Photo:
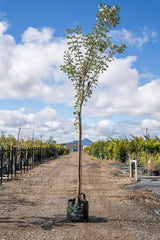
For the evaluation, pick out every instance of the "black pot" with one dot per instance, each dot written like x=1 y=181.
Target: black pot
x=77 y=211
x=155 y=173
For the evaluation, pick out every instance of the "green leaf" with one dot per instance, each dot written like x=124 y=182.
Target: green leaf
x=88 y=54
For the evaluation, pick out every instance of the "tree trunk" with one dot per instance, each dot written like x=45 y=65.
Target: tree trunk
x=79 y=157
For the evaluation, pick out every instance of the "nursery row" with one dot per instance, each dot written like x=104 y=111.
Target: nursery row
x=9 y=141
x=16 y=159
x=145 y=150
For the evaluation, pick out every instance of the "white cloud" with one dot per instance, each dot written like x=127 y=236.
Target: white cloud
x=30 y=69
x=33 y=35
x=99 y=130
x=118 y=92
x=12 y=119
x=151 y=124
x=131 y=38
x=3 y=27
x=148 y=96
x=46 y=122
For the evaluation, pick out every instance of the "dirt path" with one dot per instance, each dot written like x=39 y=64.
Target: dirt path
x=34 y=207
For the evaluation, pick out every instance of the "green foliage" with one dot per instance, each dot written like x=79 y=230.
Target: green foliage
x=110 y=150
x=142 y=159
x=98 y=149
x=122 y=150
x=87 y=149
x=9 y=141
x=62 y=149
x=88 y=54
x=154 y=162
x=142 y=150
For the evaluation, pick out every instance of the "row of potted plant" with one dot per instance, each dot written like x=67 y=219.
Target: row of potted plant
x=154 y=165
x=149 y=161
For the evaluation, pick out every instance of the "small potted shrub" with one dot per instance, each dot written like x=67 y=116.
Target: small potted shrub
x=154 y=165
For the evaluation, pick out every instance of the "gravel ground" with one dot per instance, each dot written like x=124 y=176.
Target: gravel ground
x=34 y=206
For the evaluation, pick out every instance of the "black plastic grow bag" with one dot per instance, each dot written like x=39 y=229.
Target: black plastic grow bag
x=77 y=211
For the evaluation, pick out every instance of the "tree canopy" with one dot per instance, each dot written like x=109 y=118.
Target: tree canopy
x=88 y=54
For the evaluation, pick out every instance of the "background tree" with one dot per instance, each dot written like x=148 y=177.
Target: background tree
x=87 y=56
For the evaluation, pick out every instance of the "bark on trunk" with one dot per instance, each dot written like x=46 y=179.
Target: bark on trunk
x=79 y=157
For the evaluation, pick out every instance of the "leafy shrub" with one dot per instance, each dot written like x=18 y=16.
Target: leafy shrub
x=121 y=149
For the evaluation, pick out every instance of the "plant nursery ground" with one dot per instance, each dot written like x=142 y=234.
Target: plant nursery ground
x=34 y=206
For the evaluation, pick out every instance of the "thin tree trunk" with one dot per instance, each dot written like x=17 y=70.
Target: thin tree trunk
x=79 y=157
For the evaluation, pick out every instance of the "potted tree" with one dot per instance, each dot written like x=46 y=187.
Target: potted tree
x=154 y=165
x=87 y=56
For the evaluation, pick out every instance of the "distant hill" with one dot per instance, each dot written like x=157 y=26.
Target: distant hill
x=85 y=142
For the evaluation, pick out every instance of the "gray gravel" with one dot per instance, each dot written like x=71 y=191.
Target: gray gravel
x=34 y=206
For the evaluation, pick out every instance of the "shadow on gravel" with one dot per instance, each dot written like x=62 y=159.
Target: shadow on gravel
x=45 y=223
x=49 y=223
x=96 y=220
x=17 y=201
x=132 y=221
x=59 y=220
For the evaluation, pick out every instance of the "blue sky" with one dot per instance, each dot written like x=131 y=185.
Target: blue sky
x=37 y=97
